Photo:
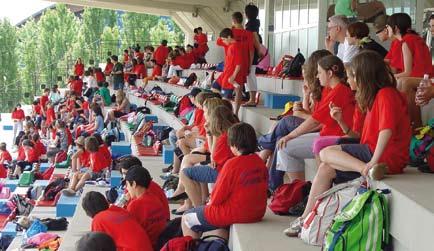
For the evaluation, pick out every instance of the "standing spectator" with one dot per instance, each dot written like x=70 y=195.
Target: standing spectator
x=55 y=96
x=44 y=98
x=337 y=31
x=346 y=8
x=108 y=70
x=117 y=73
x=160 y=56
x=18 y=118
x=78 y=68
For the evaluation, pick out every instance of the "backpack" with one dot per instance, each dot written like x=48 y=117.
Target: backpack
x=22 y=205
x=171 y=183
x=58 y=224
x=192 y=78
x=54 y=188
x=143 y=109
x=163 y=133
x=283 y=63
x=183 y=103
x=216 y=244
x=327 y=206
x=289 y=195
x=184 y=243
x=294 y=68
x=420 y=146
x=362 y=225
x=172 y=230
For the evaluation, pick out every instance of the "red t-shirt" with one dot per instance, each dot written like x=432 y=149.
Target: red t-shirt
x=187 y=60
x=395 y=55
x=50 y=116
x=108 y=68
x=235 y=55
x=126 y=232
x=43 y=101
x=98 y=162
x=32 y=155
x=199 y=121
x=202 y=41
x=222 y=151
x=156 y=190
x=77 y=86
x=149 y=213
x=40 y=148
x=5 y=156
x=358 y=120
x=389 y=111
x=341 y=96
x=140 y=71
x=99 y=76
x=85 y=106
x=79 y=69
x=18 y=114
x=245 y=37
x=21 y=154
x=421 y=55
x=240 y=192
x=161 y=54
x=126 y=57
x=84 y=159
x=105 y=151
x=37 y=109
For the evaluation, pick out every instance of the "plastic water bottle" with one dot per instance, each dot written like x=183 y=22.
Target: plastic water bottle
x=121 y=201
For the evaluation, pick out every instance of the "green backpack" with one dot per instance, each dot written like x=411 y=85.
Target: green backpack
x=26 y=179
x=362 y=225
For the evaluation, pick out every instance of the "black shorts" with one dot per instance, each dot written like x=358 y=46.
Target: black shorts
x=358 y=151
x=118 y=114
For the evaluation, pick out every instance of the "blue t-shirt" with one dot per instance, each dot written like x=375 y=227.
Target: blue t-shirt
x=99 y=123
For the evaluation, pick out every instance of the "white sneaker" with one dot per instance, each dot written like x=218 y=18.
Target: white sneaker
x=294 y=228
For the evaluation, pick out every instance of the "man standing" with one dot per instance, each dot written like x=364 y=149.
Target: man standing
x=117 y=73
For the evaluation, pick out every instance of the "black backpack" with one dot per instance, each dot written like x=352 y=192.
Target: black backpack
x=212 y=243
x=294 y=68
x=143 y=109
x=59 y=224
x=163 y=133
x=172 y=230
x=54 y=188
x=190 y=80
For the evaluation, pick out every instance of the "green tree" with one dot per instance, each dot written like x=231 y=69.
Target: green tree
x=137 y=28
x=10 y=91
x=28 y=59
x=110 y=42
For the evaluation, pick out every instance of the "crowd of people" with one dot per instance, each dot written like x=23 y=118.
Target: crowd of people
x=359 y=108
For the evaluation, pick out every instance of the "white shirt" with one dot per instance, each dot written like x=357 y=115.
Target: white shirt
x=346 y=52
x=91 y=81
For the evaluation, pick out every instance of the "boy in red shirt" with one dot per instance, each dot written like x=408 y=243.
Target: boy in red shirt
x=144 y=206
x=235 y=71
x=108 y=67
x=160 y=56
x=77 y=86
x=240 y=192
x=44 y=98
x=98 y=165
x=5 y=159
x=127 y=234
x=39 y=146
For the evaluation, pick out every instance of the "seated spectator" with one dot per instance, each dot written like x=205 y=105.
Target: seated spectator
x=30 y=157
x=98 y=166
x=104 y=93
x=116 y=222
x=385 y=137
x=40 y=148
x=176 y=63
x=60 y=143
x=337 y=30
x=5 y=160
x=125 y=163
x=240 y=192
x=295 y=147
x=95 y=126
x=144 y=206
x=122 y=106
x=99 y=76
x=96 y=241
x=424 y=95
x=358 y=35
x=81 y=158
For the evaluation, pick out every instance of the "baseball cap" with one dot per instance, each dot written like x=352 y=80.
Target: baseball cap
x=380 y=23
x=194 y=92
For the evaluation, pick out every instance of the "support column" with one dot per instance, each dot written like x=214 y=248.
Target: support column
x=322 y=23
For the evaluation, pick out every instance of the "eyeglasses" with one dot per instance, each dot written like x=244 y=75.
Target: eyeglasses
x=331 y=27
x=379 y=31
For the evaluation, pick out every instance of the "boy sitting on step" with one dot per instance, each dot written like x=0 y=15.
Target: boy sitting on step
x=240 y=192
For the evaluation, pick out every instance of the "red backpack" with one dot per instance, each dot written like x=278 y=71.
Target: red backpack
x=185 y=243
x=289 y=195
x=183 y=103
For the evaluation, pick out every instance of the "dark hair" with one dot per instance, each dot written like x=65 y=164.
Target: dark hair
x=164 y=42
x=334 y=64
x=47 y=90
x=105 y=84
x=237 y=17
x=35 y=137
x=126 y=162
x=226 y=32
x=371 y=75
x=140 y=175
x=243 y=137
x=99 y=138
x=251 y=11
x=401 y=21
x=431 y=17
x=96 y=241
x=199 y=28
x=311 y=71
x=358 y=30
x=27 y=142
x=114 y=58
x=108 y=60
x=195 y=30
x=97 y=110
x=3 y=146
x=91 y=144
x=93 y=203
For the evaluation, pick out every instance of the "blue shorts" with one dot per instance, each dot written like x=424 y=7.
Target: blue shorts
x=195 y=220
x=226 y=93
x=358 y=151
x=201 y=173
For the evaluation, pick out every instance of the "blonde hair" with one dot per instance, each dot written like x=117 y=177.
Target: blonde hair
x=220 y=120
x=120 y=96
x=211 y=103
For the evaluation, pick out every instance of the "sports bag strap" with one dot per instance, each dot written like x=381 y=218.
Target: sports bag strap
x=214 y=236
x=357 y=182
x=386 y=216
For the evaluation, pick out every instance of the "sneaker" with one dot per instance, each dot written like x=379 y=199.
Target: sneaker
x=378 y=171
x=294 y=228
x=68 y=192
x=166 y=176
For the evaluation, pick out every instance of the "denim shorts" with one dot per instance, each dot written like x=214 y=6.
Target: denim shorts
x=226 y=93
x=358 y=151
x=201 y=173
x=195 y=220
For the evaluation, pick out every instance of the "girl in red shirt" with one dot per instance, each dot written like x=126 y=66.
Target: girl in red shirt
x=416 y=62
x=108 y=67
x=80 y=159
x=240 y=192
x=98 y=166
x=18 y=118
x=295 y=147
x=78 y=68
x=385 y=137
x=31 y=156
x=5 y=159
x=50 y=115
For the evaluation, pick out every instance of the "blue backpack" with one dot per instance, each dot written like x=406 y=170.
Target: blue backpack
x=212 y=243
